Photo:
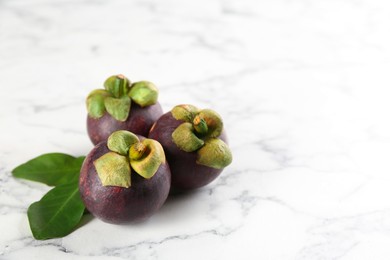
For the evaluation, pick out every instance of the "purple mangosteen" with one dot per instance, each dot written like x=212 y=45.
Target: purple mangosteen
x=122 y=105
x=195 y=144
x=125 y=179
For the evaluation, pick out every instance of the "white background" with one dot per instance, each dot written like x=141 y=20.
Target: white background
x=303 y=87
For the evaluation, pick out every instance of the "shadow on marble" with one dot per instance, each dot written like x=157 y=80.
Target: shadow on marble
x=183 y=205
x=177 y=197
x=86 y=218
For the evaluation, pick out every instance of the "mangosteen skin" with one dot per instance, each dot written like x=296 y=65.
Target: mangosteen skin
x=186 y=173
x=138 y=122
x=119 y=205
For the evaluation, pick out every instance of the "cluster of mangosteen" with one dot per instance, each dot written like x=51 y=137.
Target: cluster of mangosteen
x=142 y=155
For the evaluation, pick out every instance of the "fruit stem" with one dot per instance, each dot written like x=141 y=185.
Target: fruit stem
x=136 y=151
x=200 y=125
x=120 y=86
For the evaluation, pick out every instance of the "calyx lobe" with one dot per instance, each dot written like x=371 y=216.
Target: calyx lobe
x=117 y=96
x=127 y=152
x=199 y=133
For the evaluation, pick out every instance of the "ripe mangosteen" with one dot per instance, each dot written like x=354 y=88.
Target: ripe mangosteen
x=195 y=144
x=125 y=179
x=122 y=105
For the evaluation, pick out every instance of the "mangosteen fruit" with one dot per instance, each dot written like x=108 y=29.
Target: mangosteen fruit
x=195 y=144
x=125 y=179
x=122 y=105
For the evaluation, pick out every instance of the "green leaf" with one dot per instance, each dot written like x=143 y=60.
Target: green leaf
x=118 y=108
x=52 y=169
x=144 y=93
x=215 y=153
x=57 y=213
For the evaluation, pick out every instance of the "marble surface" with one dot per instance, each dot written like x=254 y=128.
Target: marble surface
x=303 y=87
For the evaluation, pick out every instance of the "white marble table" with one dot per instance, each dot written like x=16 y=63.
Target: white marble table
x=303 y=87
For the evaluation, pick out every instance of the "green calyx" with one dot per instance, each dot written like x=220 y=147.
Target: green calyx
x=144 y=93
x=185 y=138
x=117 y=85
x=199 y=133
x=113 y=170
x=118 y=95
x=215 y=153
x=128 y=152
x=121 y=141
x=184 y=112
x=95 y=103
x=150 y=160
